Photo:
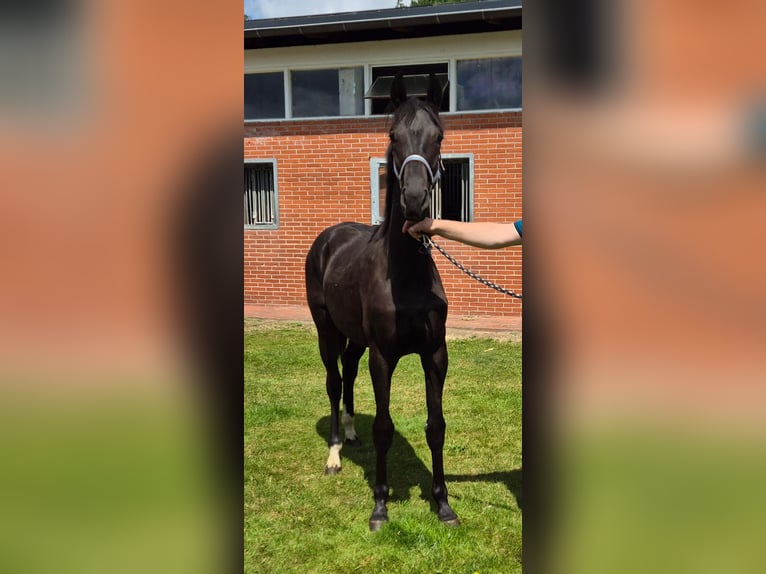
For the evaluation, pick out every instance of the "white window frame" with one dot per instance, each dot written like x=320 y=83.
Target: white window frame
x=275 y=205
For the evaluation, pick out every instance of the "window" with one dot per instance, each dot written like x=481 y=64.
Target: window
x=336 y=92
x=452 y=197
x=261 y=204
x=478 y=84
x=381 y=100
x=264 y=96
x=493 y=83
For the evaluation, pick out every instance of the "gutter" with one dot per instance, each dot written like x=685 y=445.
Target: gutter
x=383 y=19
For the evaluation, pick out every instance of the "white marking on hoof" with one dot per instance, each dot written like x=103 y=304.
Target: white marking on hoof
x=348 y=425
x=333 y=460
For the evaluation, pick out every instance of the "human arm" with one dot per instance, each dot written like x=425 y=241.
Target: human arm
x=484 y=234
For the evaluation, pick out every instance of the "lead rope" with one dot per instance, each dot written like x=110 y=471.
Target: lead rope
x=428 y=243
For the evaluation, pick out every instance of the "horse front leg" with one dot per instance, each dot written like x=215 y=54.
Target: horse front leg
x=381 y=370
x=350 y=361
x=435 y=369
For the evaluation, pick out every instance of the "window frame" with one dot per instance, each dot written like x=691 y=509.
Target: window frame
x=505 y=44
x=275 y=223
x=371 y=78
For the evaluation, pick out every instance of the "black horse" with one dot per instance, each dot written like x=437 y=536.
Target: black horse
x=376 y=287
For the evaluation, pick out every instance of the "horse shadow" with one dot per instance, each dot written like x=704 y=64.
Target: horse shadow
x=511 y=479
x=405 y=469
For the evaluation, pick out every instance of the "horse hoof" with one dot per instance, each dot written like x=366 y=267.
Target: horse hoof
x=353 y=442
x=448 y=517
x=331 y=470
x=375 y=525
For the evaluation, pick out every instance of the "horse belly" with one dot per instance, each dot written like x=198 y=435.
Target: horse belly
x=345 y=308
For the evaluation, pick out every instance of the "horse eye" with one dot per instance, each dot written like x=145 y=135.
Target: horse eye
x=392 y=136
x=440 y=138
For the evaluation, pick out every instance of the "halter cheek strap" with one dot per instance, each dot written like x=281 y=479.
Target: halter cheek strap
x=419 y=158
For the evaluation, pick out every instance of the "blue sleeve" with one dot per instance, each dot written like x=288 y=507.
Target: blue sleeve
x=517 y=225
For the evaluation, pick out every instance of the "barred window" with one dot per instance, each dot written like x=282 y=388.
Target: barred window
x=452 y=196
x=261 y=202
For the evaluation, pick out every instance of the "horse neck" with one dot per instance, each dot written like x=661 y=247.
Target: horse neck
x=400 y=246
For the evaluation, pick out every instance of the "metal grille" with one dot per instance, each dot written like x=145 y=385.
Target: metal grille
x=451 y=198
x=260 y=196
x=436 y=200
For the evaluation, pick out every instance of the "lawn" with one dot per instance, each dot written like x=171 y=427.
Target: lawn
x=299 y=520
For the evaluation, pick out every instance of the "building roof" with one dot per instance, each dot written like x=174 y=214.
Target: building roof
x=388 y=24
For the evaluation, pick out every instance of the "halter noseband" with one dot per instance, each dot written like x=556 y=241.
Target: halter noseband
x=399 y=173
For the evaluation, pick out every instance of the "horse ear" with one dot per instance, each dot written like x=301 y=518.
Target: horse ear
x=398 y=90
x=435 y=91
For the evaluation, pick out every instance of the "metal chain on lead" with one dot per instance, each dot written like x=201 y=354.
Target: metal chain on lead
x=428 y=243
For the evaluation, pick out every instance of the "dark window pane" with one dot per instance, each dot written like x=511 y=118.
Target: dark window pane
x=328 y=92
x=264 y=96
x=489 y=84
x=315 y=93
x=455 y=185
x=452 y=197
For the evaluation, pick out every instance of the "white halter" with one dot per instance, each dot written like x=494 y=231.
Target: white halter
x=415 y=157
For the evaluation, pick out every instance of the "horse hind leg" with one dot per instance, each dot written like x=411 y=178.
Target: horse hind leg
x=350 y=361
x=331 y=343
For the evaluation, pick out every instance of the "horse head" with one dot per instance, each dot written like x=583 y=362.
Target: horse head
x=415 y=150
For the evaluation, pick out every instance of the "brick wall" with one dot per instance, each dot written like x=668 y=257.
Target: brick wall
x=323 y=176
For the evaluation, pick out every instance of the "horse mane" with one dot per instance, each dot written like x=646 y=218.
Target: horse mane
x=405 y=114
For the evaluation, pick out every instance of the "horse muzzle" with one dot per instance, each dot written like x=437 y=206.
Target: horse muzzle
x=416 y=206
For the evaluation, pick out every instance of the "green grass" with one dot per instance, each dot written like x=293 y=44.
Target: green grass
x=299 y=520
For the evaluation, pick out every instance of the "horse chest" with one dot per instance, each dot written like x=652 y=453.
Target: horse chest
x=409 y=325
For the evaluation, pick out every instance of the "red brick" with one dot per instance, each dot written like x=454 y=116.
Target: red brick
x=323 y=171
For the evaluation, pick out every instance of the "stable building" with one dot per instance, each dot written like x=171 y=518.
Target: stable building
x=316 y=134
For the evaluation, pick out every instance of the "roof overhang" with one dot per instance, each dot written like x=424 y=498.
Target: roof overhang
x=388 y=24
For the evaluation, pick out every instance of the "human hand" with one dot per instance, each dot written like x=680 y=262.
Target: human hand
x=416 y=229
